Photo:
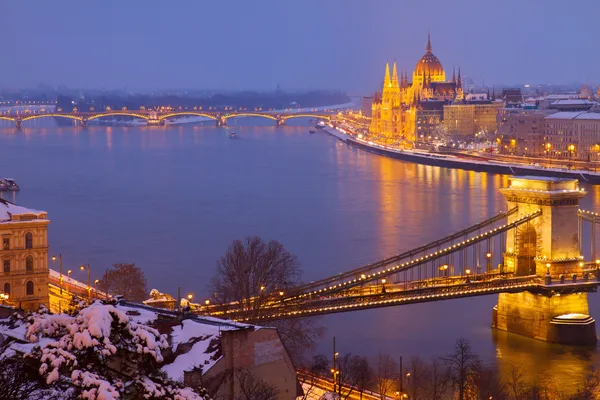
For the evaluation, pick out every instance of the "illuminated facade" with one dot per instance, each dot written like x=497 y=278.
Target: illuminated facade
x=24 y=256
x=404 y=110
x=470 y=119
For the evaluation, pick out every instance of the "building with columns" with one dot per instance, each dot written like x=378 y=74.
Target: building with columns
x=24 y=255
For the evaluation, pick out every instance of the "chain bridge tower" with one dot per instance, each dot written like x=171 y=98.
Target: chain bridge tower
x=549 y=246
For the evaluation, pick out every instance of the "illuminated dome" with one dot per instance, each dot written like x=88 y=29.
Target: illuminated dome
x=429 y=64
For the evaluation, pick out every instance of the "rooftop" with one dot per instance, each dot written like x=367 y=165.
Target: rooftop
x=194 y=340
x=579 y=115
x=10 y=212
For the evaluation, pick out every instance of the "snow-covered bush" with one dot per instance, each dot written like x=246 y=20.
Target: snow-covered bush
x=102 y=354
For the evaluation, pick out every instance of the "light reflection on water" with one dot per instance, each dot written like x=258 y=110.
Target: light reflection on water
x=173 y=198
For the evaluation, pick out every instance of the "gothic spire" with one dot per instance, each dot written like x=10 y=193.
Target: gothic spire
x=386 y=81
x=459 y=79
x=395 y=76
x=428 y=42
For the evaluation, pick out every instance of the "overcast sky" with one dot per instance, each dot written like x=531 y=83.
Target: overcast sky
x=304 y=44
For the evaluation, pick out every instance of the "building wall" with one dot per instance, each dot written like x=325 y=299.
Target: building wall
x=469 y=119
x=365 y=106
x=521 y=131
x=15 y=258
x=262 y=353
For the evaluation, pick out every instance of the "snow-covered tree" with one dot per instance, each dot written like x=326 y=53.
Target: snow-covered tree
x=99 y=353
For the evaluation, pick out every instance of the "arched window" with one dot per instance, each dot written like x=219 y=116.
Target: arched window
x=29 y=240
x=29 y=288
x=7 y=288
x=29 y=263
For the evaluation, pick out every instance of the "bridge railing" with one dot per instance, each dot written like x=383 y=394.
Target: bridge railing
x=413 y=264
x=356 y=301
x=367 y=269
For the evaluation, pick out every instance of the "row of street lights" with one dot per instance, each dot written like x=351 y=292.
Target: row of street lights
x=82 y=267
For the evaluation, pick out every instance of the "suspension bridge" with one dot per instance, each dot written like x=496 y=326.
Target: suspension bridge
x=531 y=255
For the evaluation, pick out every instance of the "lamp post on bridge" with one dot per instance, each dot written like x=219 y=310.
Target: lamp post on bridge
x=548 y=277
x=60 y=278
x=83 y=267
x=488 y=266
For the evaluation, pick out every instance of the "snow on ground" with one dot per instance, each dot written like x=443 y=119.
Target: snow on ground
x=196 y=357
x=138 y=314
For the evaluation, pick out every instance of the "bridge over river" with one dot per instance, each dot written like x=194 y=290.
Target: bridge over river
x=158 y=117
x=530 y=255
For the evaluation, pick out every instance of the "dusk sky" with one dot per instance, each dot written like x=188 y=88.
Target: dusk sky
x=309 y=44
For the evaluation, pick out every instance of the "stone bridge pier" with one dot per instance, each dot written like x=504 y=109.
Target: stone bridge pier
x=280 y=121
x=220 y=120
x=549 y=247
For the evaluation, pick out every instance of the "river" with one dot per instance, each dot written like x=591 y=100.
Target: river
x=171 y=199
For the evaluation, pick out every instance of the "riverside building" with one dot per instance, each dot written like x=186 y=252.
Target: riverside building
x=410 y=108
x=24 y=256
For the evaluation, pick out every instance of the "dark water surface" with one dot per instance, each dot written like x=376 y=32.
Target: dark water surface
x=173 y=198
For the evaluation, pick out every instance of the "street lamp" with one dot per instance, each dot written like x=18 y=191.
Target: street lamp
x=83 y=267
x=468 y=272
x=383 y=281
x=489 y=262
x=95 y=287
x=571 y=151
x=548 y=277
x=190 y=297
x=60 y=279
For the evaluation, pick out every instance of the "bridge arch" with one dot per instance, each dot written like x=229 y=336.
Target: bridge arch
x=186 y=113
x=67 y=116
x=243 y=114
x=118 y=113
x=323 y=117
x=4 y=118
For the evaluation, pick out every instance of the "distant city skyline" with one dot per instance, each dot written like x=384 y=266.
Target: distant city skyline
x=237 y=45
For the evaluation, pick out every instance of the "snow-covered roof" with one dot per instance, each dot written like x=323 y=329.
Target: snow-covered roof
x=10 y=212
x=564 y=115
x=572 y=102
x=563 y=96
x=588 y=115
x=579 y=115
x=195 y=331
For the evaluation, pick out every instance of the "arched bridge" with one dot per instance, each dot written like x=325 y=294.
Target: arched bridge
x=153 y=117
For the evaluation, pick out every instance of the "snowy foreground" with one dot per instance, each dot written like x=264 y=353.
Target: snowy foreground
x=104 y=352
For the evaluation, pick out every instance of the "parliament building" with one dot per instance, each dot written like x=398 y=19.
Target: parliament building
x=406 y=111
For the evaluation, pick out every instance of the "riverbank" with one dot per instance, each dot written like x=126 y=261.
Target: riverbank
x=461 y=162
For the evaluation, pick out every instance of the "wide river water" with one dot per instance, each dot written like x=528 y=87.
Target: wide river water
x=172 y=199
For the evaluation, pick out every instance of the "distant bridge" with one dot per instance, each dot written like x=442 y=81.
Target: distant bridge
x=158 y=117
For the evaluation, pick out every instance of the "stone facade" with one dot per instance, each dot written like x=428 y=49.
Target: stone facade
x=548 y=246
x=539 y=317
x=257 y=351
x=471 y=119
x=553 y=237
x=23 y=255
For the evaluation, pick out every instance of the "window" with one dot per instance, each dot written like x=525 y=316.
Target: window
x=29 y=288
x=7 y=266
x=5 y=243
x=29 y=263
x=7 y=288
x=28 y=240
